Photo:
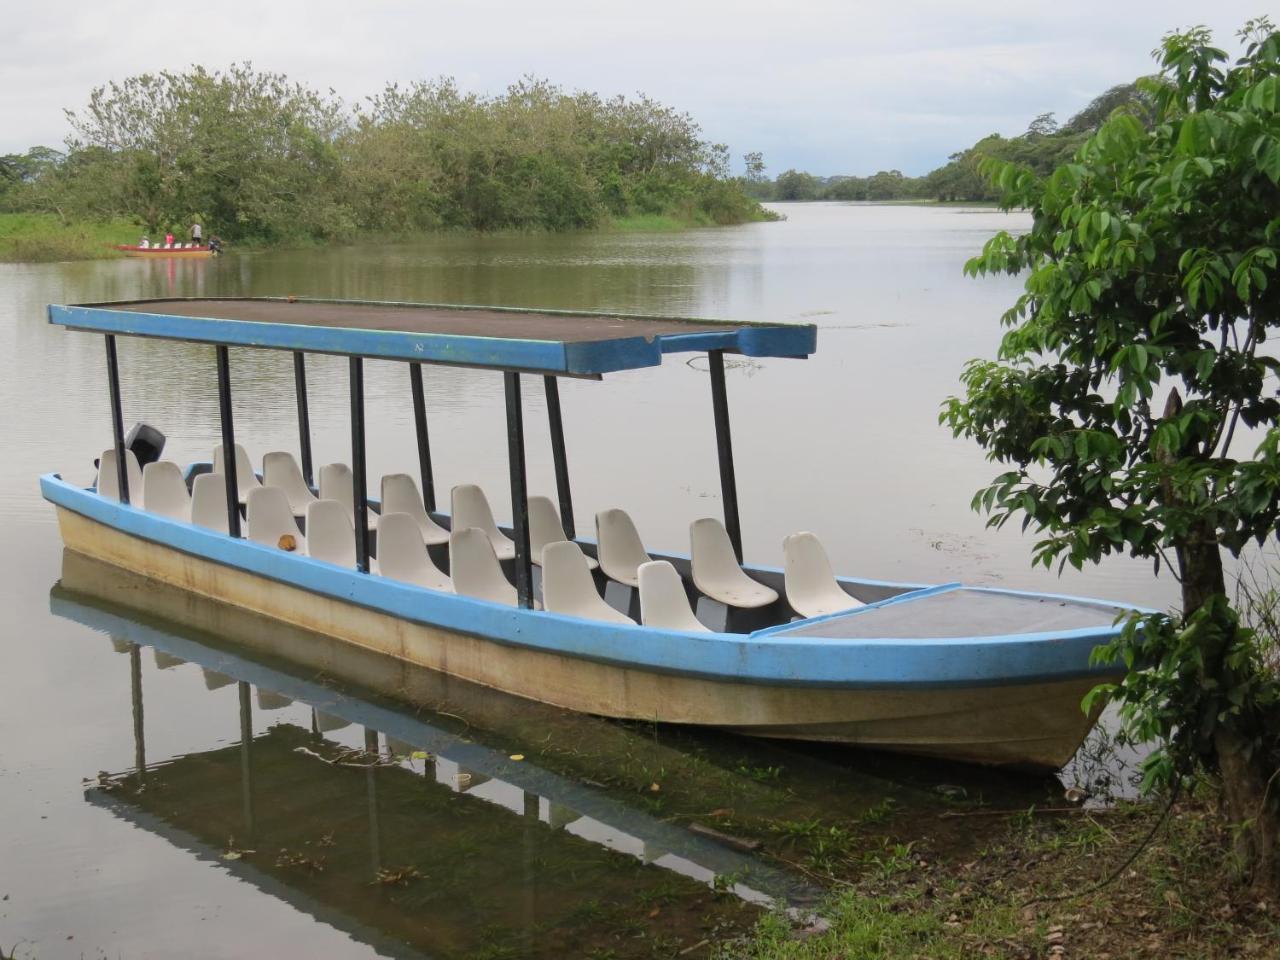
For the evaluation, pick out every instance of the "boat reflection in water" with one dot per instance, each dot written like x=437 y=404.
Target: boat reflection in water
x=399 y=828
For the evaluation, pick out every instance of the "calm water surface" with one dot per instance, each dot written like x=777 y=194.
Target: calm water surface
x=163 y=791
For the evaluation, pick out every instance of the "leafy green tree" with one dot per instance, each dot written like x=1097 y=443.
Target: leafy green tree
x=794 y=185
x=1151 y=270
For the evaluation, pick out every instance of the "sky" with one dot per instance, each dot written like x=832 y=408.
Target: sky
x=829 y=87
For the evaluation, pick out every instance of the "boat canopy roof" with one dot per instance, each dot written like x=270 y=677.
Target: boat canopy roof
x=545 y=341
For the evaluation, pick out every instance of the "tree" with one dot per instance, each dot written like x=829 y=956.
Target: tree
x=252 y=150
x=1043 y=126
x=795 y=185
x=1151 y=268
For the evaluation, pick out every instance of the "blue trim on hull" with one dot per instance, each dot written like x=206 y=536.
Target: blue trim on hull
x=903 y=664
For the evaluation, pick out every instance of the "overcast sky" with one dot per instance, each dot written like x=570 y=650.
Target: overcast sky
x=829 y=87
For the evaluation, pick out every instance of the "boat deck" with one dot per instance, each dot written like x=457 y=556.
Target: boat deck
x=959 y=613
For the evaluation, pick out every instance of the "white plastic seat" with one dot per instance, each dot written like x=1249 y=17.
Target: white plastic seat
x=246 y=479
x=811 y=587
x=402 y=553
x=400 y=494
x=716 y=571
x=280 y=469
x=338 y=483
x=469 y=507
x=475 y=570
x=567 y=585
x=545 y=527
x=269 y=518
x=663 y=602
x=209 y=501
x=164 y=491
x=330 y=535
x=109 y=477
x=619 y=546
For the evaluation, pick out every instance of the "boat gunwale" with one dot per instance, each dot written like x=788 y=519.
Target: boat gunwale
x=769 y=659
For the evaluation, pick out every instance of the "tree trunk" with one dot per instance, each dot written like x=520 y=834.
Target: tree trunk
x=1252 y=815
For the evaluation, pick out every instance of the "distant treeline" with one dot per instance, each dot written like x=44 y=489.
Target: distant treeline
x=1043 y=147
x=256 y=157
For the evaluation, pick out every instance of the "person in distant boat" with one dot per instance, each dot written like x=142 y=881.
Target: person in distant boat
x=168 y=239
x=144 y=244
x=215 y=243
x=196 y=234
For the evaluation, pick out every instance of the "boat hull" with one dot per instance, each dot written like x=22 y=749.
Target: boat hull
x=163 y=253
x=1036 y=723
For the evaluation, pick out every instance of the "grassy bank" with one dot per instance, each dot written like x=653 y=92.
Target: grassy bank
x=42 y=237
x=1027 y=890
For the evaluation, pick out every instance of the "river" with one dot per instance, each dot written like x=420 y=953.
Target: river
x=150 y=769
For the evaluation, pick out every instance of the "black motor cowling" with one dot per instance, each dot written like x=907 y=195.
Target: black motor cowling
x=146 y=442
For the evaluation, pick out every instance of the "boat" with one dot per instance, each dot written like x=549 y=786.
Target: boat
x=599 y=625
x=162 y=251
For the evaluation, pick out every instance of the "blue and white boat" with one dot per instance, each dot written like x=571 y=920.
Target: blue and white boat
x=601 y=625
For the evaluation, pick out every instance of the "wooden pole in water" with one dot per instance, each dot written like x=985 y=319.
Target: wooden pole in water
x=360 y=491
x=724 y=448
x=424 y=441
x=117 y=420
x=519 y=490
x=246 y=758
x=304 y=415
x=558 y=456
x=228 y=442
x=135 y=691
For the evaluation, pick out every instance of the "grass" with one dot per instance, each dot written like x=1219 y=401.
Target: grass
x=42 y=238
x=1030 y=893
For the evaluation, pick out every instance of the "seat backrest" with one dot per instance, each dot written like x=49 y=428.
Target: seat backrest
x=663 y=602
x=164 y=491
x=330 y=534
x=470 y=508
x=338 y=483
x=246 y=479
x=269 y=517
x=402 y=553
x=568 y=587
x=400 y=494
x=811 y=585
x=712 y=557
x=109 y=477
x=544 y=526
x=474 y=567
x=280 y=469
x=209 y=501
x=620 y=550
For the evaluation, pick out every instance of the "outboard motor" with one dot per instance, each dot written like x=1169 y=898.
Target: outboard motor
x=146 y=442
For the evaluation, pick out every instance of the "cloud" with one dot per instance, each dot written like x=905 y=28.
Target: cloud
x=830 y=87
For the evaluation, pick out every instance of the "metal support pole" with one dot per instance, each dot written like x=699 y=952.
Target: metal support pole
x=424 y=441
x=360 y=492
x=228 y=442
x=304 y=415
x=519 y=490
x=117 y=419
x=558 y=456
x=724 y=447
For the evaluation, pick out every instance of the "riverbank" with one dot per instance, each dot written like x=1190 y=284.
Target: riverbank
x=43 y=238
x=1028 y=887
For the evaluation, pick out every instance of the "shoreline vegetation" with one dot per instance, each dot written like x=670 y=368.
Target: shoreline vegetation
x=262 y=161
x=1044 y=146
x=43 y=238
